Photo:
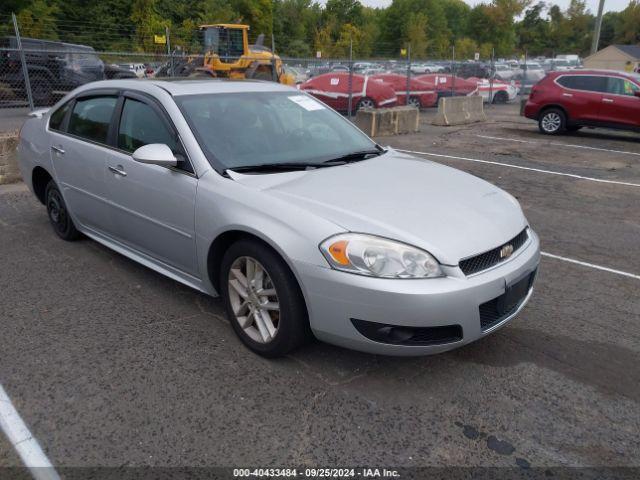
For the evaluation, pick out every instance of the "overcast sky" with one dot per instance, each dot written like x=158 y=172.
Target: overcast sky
x=615 y=5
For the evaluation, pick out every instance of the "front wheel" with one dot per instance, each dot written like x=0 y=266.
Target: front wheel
x=58 y=213
x=365 y=103
x=552 y=121
x=262 y=299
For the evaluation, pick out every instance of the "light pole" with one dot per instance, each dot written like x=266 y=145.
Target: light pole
x=596 y=32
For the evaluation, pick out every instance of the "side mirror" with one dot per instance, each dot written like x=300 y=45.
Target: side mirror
x=155 y=154
x=637 y=93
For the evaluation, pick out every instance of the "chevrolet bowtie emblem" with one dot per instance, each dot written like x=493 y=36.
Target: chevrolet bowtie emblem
x=506 y=251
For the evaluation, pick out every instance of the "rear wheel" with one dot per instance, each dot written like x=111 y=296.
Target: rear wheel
x=365 y=103
x=500 y=97
x=41 y=91
x=414 y=102
x=552 y=121
x=262 y=299
x=58 y=213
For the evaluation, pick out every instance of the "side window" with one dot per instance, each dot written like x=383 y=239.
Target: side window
x=57 y=117
x=620 y=86
x=91 y=117
x=630 y=88
x=141 y=125
x=590 y=83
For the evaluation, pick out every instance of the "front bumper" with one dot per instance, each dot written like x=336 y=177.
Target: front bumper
x=334 y=299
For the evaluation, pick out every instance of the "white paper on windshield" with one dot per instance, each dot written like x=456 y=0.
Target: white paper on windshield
x=335 y=81
x=307 y=103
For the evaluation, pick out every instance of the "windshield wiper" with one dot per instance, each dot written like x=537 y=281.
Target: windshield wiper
x=356 y=156
x=277 y=167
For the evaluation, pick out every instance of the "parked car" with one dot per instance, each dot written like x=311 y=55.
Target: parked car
x=567 y=101
x=298 y=74
x=421 y=94
x=54 y=67
x=473 y=69
x=503 y=72
x=333 y=89
x=495 y=91
x=448 y=85
x=138 y=69
x=254 y=191
x=113 y=71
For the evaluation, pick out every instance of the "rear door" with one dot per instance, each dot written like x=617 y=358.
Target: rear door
x=620 y=106
x=79 y=133
x=581 y=96
x=152 y=207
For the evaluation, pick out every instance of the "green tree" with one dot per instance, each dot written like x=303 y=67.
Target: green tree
x=466 y=48
x=628 y=29
x=417 y=35
x=533 y=31
x=38 y=20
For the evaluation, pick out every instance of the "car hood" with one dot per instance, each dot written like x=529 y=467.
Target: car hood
x=450 y=213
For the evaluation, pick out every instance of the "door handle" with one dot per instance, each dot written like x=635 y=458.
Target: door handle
x=58 y=150
x=118 y=170
x=607 y=100
x=567 y=94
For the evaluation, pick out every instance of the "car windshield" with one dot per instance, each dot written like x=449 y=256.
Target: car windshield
x=237 y=130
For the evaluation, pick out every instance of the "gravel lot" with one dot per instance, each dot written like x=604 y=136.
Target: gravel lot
x=111 y=364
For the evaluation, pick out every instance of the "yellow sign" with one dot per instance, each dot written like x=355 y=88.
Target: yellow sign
x=160 y=39
x=403 y=52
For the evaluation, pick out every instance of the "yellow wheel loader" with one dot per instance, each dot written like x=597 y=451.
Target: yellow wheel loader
x=227 y=54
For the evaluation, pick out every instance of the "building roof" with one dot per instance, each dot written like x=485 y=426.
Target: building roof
x=631 y=50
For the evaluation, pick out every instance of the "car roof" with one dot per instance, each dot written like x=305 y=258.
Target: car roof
x=619 y=73
x=185 y=86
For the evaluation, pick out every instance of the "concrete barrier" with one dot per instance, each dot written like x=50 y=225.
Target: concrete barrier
x=388 y=121
x=459 y=110
x=9 y=172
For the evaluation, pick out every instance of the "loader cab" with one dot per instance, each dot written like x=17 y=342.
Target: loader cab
x=228 y=42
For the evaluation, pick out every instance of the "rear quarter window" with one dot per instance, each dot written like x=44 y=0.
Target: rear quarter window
x=57 y=118
x=91 y=118
x=589 y=83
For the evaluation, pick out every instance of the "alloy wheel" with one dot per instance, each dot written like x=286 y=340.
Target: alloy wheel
x=366 y=103
x=551 y=122
x=414 y=102
x=254 y=299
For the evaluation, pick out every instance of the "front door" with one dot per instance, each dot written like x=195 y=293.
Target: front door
x=152 y=206
x=620 y=106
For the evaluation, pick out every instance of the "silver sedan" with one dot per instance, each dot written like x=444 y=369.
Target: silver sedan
x=302 y=224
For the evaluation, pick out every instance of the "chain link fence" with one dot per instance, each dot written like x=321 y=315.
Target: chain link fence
x=37 y=70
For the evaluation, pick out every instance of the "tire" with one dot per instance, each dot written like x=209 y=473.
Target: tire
x=552 y=121
x=263 y=75
x=58 y=214
x=283 y=329
x=415 y=102
x=501 y=97
x=41 y=91
x=365 y=102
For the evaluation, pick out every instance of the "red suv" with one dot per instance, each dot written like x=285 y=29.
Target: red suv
x=568 y=100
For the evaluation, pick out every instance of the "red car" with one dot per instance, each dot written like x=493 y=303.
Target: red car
x=445 y=82
x=568 y=100
x=421 y=94
x=333 y=89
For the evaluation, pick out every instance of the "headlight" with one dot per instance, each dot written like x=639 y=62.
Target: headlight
x=378 y=257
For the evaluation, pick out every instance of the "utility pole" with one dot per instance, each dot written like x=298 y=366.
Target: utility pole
x=596 y=32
